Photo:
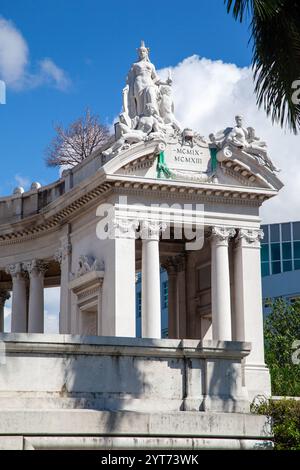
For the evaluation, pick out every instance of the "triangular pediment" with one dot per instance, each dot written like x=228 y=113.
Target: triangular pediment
x=197 y=162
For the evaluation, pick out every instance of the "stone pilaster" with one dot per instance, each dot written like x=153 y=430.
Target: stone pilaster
x=118 y=301
x=248 y=317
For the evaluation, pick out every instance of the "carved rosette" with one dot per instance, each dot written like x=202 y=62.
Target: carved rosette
x=35 y=267
x=123 y=228
x=220 y=235
x=250 y=237
x=151 y=230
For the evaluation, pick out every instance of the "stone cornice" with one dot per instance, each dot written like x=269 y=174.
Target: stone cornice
x=69 y=204
x=204 y=191
x=51 y=218
x=18 y=343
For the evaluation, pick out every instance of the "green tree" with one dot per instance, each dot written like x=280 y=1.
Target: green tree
x=275 y=32
x=282 y=330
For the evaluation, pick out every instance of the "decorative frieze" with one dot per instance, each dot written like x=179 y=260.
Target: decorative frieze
x=87 y=264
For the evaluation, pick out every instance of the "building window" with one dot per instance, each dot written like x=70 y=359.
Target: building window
x=297 y=263
x=265 y=269
x=275 y=251
x=275 y=233
x=164 y=333
x=287 y=251
x=165 y=294
x=296 y=230
x=287 y=266
x=265 y=252
x=297 y=250
x=265 y=229
x=139 y=304
x=286 y=232
x=276 y=267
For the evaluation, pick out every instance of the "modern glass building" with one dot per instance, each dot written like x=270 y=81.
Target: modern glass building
x=280 y=248
x=280 y=261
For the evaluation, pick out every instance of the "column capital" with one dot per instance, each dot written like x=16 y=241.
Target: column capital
x=150 y=230
x=175 y=264
x=36 y=267
x=15 y=270
x=250 y=237
x=170 y=266
x=4 y=295
x=221 y=235
x=63 y=252
x=123 y=228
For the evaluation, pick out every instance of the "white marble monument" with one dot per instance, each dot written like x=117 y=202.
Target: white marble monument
x=133 y=206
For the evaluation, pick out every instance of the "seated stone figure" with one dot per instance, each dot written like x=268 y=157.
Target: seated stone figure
x=125 y=135
x=243 y=139
x=166 y=107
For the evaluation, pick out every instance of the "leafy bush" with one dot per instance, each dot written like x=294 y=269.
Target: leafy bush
x=281 y=329
x=285 y=416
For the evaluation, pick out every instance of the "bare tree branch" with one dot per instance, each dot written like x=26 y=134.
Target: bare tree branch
x=73 y=144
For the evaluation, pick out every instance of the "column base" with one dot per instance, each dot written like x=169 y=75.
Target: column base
x=257 y=380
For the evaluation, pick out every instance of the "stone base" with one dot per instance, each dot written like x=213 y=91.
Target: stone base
x=91 y=429
x=76 y=392
x=257 y=381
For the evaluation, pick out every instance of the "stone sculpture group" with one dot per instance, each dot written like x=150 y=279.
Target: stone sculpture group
x=148 y=113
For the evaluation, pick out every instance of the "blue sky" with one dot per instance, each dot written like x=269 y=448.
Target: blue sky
x=94 y=43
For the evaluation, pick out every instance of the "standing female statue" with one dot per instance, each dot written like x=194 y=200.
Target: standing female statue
x=142 y=85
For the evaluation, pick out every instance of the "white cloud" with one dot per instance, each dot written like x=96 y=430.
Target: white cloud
x=208 y=94
x=51 y=73
x=13 y=53
x=15 y=63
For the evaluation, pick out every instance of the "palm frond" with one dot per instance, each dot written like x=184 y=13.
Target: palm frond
x=275 y=29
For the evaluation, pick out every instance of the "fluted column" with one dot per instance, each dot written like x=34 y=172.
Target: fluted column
x=19 y=300
x=36 y=270
x=4 y=295
x=220 y=283
x=151 y=311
